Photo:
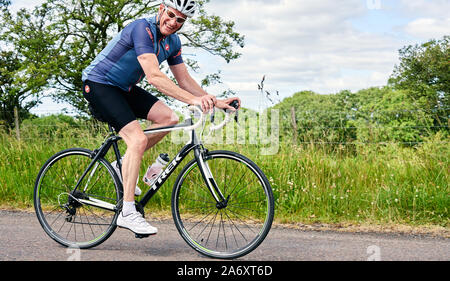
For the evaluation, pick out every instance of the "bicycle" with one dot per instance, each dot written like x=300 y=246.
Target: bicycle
x=222 y=203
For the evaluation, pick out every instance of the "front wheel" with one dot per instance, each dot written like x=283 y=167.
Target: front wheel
x=234 y=228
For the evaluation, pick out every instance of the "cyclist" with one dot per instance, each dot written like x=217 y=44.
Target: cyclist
x=109 y=84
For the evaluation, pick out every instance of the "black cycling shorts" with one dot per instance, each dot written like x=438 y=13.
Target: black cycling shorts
x=116 y=106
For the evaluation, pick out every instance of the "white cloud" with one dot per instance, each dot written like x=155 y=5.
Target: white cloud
x=431 y=20
x=306 y=45
x=28 y=4
x=434 y=8
x=428 y=28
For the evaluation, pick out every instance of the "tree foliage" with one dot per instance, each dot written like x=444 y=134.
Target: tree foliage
x=51 y=45
x=373 y=115
x=26 y=62
x=424 y=72
x=84 y=28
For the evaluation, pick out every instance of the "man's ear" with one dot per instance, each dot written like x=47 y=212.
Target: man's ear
x=161 y=10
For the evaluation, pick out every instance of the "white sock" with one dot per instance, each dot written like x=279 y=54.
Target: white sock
x=128 y=208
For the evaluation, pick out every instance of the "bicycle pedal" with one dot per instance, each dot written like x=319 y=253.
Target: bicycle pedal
x=140 y=236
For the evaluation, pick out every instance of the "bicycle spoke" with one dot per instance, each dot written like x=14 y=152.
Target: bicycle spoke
x=82 y=228
x=234 y=224
x=215 y=216
x=206 y=226
x=241 y=208
x=70 y=221
x=235 y=227
x=237 y=215
x=224 y=236
x=238 y=181
x=201 y=220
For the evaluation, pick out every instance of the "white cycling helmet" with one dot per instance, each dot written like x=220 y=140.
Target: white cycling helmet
x=186 y=7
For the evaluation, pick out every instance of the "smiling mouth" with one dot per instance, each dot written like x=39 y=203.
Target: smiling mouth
x=170 y=28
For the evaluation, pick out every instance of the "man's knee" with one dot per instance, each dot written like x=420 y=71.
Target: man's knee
x=162 y=114
x=137 y=143
x=169 y=118
x=172 y=119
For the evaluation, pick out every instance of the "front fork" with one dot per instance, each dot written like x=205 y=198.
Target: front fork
x=200 y=153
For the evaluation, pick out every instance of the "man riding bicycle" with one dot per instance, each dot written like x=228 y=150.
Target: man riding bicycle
x=109 y=84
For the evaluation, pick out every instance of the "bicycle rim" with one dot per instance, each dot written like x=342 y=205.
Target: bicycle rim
x=59 y=210
x=228 y=232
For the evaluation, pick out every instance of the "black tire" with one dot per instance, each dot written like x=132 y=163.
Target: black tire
x=242 y=225
x=61 y=215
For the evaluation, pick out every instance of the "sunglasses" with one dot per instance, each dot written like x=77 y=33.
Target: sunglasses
x=172 y=15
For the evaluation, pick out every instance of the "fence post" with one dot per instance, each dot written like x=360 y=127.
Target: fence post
x=294 y=126
x=16 y=122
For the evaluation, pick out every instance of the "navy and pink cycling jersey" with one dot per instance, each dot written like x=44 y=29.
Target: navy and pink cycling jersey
x=117 y=64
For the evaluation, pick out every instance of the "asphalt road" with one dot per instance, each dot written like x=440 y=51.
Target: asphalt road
x=23 y=239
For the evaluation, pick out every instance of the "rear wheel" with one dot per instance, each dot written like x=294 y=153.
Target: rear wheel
x=236 y=226
x=63 y=213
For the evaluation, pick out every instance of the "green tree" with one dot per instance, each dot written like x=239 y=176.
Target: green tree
x=26 y=60
x=319 y=118
x=424 y=72
x=84 y=28
x=387 y=115
x=372 y=115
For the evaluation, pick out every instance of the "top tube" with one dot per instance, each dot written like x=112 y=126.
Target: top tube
x=187 y=125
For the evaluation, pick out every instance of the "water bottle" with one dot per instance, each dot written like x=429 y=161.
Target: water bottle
x=155 y=169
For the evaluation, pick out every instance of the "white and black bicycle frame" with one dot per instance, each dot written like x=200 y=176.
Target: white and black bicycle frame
x=193 y=144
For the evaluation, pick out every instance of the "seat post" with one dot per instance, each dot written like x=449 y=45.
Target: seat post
x=111 y=129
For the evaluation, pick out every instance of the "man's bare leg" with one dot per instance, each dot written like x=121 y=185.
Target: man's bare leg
x=136 y=143
x=161 y=115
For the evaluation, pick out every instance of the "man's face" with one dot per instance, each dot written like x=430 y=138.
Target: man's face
x=169 y=23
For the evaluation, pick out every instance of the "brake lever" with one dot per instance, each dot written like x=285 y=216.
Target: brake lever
x=235 y=104
x=213 y=114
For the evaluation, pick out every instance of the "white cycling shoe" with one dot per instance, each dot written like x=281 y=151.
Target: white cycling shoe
x=136 y=223
x=137 y=190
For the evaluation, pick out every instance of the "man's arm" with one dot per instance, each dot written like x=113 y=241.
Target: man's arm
x=162 y=83
x=187 y=83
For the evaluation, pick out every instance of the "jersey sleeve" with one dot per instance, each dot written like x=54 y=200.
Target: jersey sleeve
x=176 y=59
x=142 y=38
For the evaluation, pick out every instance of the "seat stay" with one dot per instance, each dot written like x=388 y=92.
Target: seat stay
x=97 y=154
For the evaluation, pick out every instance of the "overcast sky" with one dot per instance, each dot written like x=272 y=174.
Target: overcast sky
x=321 y=45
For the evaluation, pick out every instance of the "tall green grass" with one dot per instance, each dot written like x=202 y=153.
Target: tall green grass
x=311 y=183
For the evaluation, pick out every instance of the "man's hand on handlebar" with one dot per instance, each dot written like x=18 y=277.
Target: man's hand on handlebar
x=227 y=103
x=230 y=104
x=206 y=102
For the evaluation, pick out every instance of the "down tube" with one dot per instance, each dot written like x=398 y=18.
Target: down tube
x=166 y=173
